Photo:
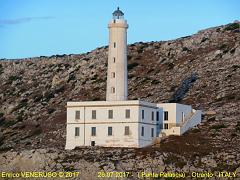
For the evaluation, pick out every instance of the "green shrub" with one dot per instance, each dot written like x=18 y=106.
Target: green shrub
x=196 y=131
x=19 y=117
x=204 y=39
x=36 y=132
x=232 y=26
x=50 y=110
x=13 y=78
x=9 y=123
x=238 y=126
x=23 y=103
x=132 y=65
x=170 y=66
x=180 y=164
x=37 y=97
x=218 y=126
x=171 y=159
x=1 y=69
x=185 y=49
x=223 y=46
x=94 y=77
x=49 y=95
x=155 y=81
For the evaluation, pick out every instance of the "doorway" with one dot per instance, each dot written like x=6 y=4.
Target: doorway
x=92 y=143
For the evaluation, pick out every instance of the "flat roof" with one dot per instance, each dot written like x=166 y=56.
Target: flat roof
x=119 y=103
x=111 y=103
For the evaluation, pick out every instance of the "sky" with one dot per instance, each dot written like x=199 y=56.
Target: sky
x=30 y=28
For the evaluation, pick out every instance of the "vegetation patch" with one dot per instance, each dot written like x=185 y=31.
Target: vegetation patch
x=238 y=126
x=235 y=67
x=50 y=110
x=37 y=97
x=195 y=130
x=23 y=103
x=35 y=132
x=218 y=126
x=1 y=69
x=9 y=123
x=226 y=166
x=223 y=46
x=155 y=81
x=19 y=117
x=180 y=164
x=59 y=89
x=174 y=159
x=94 y=77
x=233 y=135
x=170 y=66
x=211 y=118
x=204 y=39
x=140 y=50
x=232 y=26
x=171 y=159
x=68 y=168
x=14 y=78
x=185 y=49
x=187 y=145
x=49 y=95
x=132 y=65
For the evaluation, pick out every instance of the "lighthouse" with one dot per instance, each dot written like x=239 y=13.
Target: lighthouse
x=117 y=80
x=119 y=122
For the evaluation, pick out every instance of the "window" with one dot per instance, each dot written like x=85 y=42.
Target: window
x=165 y=126
x=94 y=114
x=77 y=131
x=183 y=116
x=142 y=114
x=114 y=60
x=157 y=115
x=93 y=131
x=110 y=114
x=113 y=74
x=127 y=131
x=165 y=115
x=152 y=116
x=142 y=132
x=127 y=113
x=114 y=44
x=113 y=90
x=77 y=115
x=109 y=131
x=152 y=132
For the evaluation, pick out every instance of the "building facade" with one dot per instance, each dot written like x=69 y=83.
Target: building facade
x=118 y=122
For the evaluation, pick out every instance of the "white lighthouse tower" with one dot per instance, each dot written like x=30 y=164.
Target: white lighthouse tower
x=117 y=83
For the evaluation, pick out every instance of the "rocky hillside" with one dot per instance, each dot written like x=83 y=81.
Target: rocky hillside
x=202 y=70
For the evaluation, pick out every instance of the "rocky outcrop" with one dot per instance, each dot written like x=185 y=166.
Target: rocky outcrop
x=90 y=162
x=201 y=70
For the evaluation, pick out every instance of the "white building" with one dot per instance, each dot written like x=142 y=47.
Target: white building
x=118 y=122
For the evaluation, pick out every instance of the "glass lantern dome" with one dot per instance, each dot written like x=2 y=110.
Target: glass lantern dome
x=118 y=14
